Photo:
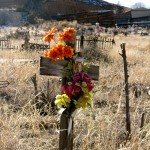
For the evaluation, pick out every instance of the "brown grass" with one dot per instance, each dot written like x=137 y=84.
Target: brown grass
x=100 y=128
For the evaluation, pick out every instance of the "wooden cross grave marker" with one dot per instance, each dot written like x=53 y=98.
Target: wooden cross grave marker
x=54 y=68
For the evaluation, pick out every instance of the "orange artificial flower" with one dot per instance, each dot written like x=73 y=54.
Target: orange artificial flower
x=68 y=51
x=68 y=35
x=70 y=30
x=60 y=50
x=53 y=54
x=49 y=35
x=45 y=53
x=65 y=36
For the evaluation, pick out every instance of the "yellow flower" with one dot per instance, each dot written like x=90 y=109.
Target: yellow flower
x=84 y=101
x=62 y=100
x=84 y=87
x=84 y=84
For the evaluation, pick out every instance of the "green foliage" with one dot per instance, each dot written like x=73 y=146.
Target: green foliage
x=85 y=67
x=67 y=71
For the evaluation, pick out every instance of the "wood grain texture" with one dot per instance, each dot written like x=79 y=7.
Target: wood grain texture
x=54 y=68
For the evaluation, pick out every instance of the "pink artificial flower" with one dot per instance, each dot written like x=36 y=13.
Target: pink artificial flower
x=90 y=86
x=78 y=78
x=67 y=89
x=76 y=88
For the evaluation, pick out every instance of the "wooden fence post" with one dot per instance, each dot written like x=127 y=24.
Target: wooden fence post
x=94 y=41
x=2 y=45
x=113 y=41
x=142 y=120
x=102 y=43
x=128 y=123
x=33 y=79
x=82 y=41
x=48 y=90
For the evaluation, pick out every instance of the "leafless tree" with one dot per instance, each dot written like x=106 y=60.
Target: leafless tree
x=138 y=5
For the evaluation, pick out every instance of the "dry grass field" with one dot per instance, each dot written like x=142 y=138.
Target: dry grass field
x=100 y=128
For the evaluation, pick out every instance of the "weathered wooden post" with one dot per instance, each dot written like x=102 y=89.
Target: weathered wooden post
x=2 y=44
x=142 y=120
x=81 y=41
x=102 y=43
x=34 y=81
x=113 y=41
x=26 y=41
x=128 y=123
x=66 y=131
x=4 y=84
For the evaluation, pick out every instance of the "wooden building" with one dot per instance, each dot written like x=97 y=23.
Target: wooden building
x=103 y=17
x=140 y=17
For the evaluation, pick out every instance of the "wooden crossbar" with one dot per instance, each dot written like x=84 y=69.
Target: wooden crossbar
x=54 y=68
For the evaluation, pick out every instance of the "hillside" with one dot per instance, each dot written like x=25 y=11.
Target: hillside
x=95 y=2
x=11 y=3
x=54 y=7
x=49 y=9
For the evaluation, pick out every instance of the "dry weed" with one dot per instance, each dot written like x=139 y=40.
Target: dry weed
x=100 y=128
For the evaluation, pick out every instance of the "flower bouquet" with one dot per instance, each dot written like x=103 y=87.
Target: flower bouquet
x=77 y=84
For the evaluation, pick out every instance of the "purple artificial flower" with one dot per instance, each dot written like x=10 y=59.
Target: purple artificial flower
x=86 y=78
x=77 y=77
